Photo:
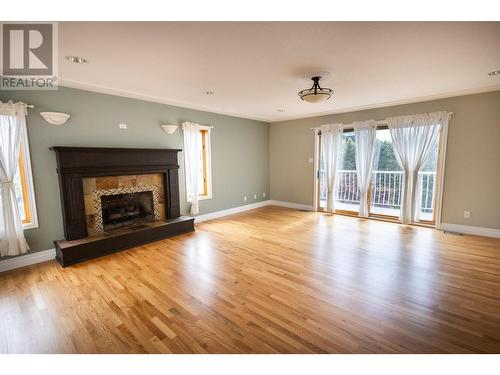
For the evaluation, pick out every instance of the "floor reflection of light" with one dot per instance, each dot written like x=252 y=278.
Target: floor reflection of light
x=334 y=257
x=385 y=262
x=200 y=264
x=421 y=281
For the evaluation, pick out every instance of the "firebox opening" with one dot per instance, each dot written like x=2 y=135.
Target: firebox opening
x=121 y=210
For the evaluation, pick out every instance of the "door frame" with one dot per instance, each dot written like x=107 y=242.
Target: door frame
x=316 y=159
x=438 y=195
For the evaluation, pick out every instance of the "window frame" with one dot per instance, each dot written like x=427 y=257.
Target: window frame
x=27 y=186
x=207 y=165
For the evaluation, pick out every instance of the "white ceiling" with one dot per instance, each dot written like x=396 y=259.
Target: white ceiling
x=256 y=68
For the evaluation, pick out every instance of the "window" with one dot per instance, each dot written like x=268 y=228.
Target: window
x=23 y=185
x=205 y=168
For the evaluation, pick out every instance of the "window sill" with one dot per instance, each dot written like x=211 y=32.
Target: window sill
x=201 y=198
x=30 y=226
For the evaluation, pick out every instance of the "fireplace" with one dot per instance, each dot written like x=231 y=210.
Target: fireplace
x=127 y=209
x=116 y=198
x=113 y=202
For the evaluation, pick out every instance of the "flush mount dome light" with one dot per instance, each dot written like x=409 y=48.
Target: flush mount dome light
x=316 y=93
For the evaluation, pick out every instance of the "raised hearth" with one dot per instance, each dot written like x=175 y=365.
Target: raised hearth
x=76 y=251
x=116 y=198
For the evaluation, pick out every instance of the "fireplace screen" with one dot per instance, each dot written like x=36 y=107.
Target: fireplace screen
x=127 y=209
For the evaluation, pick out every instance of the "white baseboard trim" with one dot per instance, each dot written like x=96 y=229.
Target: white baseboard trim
x=27 y=260
x=297 y=206
x=229 y=211
x=247 y=207
x=466 y=229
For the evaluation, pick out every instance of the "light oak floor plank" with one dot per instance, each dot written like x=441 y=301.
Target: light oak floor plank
x=271 y=280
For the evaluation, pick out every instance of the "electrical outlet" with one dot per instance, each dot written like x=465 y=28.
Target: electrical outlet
x=245 y=198
x=467 y=214
x=122 y=126
x=255 y=196
x=310 y=160
x=263 y=195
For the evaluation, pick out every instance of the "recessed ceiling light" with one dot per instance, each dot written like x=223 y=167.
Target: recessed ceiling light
x=77 y=59
x=280 y=110
x=209 y=92
x=494 y=73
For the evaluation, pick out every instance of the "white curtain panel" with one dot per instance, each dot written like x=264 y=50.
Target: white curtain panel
x=192 y=156
x=12 y=127
x=331 y=141
x=412 y=138
x=365 y=135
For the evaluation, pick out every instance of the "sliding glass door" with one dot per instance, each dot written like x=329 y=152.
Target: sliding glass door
x=347 y=197
x=347 y=194
x=387 y=180
x=427 y=180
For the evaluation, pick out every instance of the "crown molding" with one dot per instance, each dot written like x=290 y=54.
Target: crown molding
x=156 y=99
x=149 y=98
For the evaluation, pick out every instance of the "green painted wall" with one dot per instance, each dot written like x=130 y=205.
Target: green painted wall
x=240 y=147
x=472 y=173
x=251 y=157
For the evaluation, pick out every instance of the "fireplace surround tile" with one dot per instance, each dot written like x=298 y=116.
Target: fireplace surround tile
x=127 y=181
x=124 y=184
x=145 y=180
x=89 y=204
x=88 y=185
x=106 y=182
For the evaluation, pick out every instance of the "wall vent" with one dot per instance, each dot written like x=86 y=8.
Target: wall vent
x=453 y=233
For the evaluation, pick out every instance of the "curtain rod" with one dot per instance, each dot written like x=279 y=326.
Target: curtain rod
x=378 y=122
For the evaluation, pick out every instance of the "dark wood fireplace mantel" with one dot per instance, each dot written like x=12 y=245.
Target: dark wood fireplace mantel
x=75 y=163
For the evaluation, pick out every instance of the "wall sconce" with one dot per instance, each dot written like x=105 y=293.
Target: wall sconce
x=55 y=118
x=169 y=129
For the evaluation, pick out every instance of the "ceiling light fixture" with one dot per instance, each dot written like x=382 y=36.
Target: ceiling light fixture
x=316 y=93
x=494 y=73
x=209 y=92
x=77 y=59
x=280 y=110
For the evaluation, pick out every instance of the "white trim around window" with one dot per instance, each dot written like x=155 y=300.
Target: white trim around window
x=207 y=165
x=30 y=189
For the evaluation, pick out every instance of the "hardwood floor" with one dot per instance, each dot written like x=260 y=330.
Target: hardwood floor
x=271 y=280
